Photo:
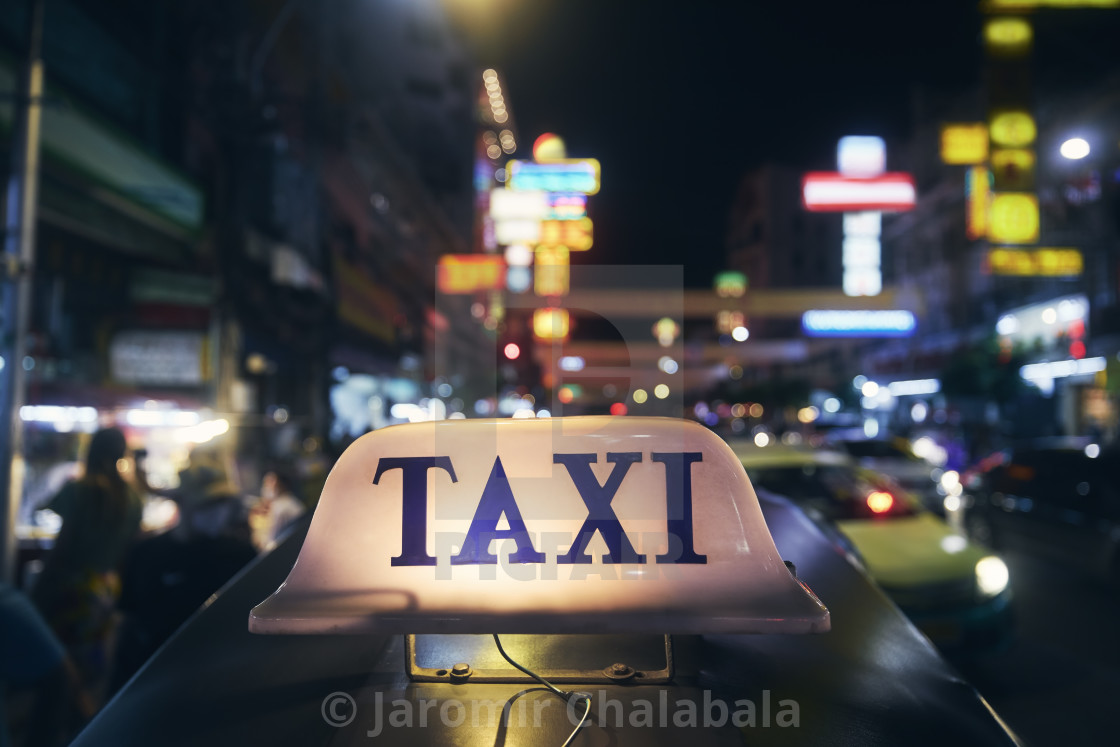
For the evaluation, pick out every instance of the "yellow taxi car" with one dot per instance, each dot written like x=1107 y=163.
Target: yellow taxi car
x=955 y=590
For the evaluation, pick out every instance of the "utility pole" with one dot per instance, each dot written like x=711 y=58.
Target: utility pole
x=17 y=271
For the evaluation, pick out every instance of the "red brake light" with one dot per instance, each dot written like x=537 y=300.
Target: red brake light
x=880 y=501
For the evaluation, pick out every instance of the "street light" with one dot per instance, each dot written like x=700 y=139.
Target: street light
x=1074 y=149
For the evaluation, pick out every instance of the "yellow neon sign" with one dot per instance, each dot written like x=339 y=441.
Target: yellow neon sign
x=551 y=324
x=979 y=195
x=1000 y=5
x=1012 y=129
x=552 y=276
x=1013 y=169
x=1047 y=262
x=573 y=234
x=1014 y=218
x=1009 y=37
x=964 y=144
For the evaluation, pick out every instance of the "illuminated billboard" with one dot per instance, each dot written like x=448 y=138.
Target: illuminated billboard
x=978 y=193
x=1012 y=128
x=573 y=234
x=861 y=156
x=1013 y=218
x=566 y=206
x=1045 y=262
x=552 y=272
x=730 y=284
x=858 y=323
x=572 y=175
x=996 y=5
x=1008 y=36
x=1012 y=169
x=551 y=324
x=508 y=205
x=964 y=144
x=470 y=273
x=520 y=231
x=833 y=192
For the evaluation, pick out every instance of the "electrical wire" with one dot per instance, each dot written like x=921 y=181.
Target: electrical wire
x=582 y=721
x=552 y=688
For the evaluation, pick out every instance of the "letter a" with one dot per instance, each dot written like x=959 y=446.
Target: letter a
x=497 y=499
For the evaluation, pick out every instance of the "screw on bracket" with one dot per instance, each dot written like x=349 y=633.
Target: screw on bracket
x=461 y=672
x=619 y=671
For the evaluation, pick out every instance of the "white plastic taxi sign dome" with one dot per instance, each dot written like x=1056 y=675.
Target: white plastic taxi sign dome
x=557 y=525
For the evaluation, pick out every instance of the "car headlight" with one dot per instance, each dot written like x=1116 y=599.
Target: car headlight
x=991 y=575
x=950 y=480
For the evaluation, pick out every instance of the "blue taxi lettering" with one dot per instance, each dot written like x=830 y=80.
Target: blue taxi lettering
x=678 y=505
x=497 y=499
x=414 y=511
x=600 y=515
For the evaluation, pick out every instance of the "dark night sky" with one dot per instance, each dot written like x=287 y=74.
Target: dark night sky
x=678 y=100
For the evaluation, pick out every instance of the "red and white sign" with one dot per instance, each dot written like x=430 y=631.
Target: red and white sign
x=825 y=191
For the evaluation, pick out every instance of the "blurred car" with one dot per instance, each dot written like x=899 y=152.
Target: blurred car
x=438 y=681
x=1057 y=497
x=895 y=458
x=956 y=591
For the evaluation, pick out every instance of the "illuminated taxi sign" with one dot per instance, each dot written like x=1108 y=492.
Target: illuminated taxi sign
x=576 y=525
x=573 y=175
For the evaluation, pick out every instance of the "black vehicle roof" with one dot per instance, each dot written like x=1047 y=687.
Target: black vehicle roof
x=874 y=679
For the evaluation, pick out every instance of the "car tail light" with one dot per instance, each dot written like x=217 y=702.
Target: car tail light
x=880 y=501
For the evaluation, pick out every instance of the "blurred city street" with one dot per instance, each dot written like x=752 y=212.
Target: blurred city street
x=872 y=249
x=1055 y=682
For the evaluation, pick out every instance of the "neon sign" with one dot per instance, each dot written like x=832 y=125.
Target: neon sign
x=833 y=192
x=470 y=273
x=1014 y=218
x=579 y=175
x=551 y=323
x=979 y=194
x=566 y=206
x=1047 y=262
x=858 y=323
x=573 y=234
x=964 y=144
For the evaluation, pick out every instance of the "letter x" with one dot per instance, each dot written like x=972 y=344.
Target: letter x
x=600 y=515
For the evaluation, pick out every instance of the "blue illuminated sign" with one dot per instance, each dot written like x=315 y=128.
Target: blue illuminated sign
x=858 y=323
x=574 y=175
x=519 y=279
